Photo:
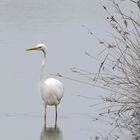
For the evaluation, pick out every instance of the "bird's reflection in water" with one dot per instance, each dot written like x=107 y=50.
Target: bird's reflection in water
x=51 y=133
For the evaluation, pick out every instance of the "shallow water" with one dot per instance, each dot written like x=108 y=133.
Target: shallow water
x=58 y=24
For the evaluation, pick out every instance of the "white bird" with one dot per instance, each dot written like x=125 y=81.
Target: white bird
x=52 y=90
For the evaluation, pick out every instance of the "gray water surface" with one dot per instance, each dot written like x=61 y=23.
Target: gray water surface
x=61 y=25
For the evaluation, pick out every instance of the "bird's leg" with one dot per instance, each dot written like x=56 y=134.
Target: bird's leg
x=55 y=116
x=45 y=112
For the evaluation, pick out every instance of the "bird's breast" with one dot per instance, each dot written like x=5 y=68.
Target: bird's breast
x=51 y=92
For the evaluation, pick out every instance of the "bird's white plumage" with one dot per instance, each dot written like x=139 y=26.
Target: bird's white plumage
x=52 y=91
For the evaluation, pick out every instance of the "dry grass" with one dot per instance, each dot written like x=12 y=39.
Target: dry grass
x=119 y=72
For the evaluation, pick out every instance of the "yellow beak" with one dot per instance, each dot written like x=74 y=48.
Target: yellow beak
x=32 y=48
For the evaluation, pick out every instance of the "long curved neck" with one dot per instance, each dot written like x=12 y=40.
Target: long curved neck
x=42 y=74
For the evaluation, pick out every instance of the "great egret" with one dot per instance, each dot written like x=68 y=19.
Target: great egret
x=51 y=89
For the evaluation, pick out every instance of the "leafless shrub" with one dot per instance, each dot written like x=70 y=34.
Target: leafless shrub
x=119 y=72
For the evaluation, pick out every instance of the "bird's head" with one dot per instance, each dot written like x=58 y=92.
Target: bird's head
x=38 y=47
